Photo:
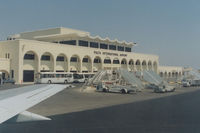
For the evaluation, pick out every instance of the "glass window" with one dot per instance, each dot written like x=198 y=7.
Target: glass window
x=85 y=60
x=103 y=46
x=123 y=62
x=94 y=45
x=127 y=49
x=115 y=61
x=78 y=76
x=87 y=76
x=74 y=59
x=29 y=56
x=42 y=75
x=46 y=57
x=60 y=58
x=112 y=47
x=68 y=75
x=58 y=75
x=69 y=42
x=83 y=43
x=97 y=61
x=131 y=63
x=120 y=48
x=107 y=61
x=60 y=71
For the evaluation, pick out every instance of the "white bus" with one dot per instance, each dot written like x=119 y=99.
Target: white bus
x=54 y=77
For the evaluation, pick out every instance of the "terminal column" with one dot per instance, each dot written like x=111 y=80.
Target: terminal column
x=54 y=65
x=92 y=64
x=38 y=66
x=80 y=68
x=68 y=66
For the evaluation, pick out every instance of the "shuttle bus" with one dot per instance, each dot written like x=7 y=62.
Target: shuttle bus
x=54 y=77
x=62 y=77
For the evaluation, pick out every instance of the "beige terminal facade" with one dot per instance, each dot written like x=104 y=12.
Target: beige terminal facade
x=23 y=55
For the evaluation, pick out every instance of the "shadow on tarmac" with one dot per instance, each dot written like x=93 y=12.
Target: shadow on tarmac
x=174 y=114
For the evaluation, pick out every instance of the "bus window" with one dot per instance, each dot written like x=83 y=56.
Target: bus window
x=53 y=75
x=77 y=76
x=62 y=75
x=43 y=76
x=87 y=76
x=81 y=76
x=57 y=75
x=46 y=76
x=68 y=75
x=50 y=76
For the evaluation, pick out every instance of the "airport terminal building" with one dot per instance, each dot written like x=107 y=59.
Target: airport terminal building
x=67 y=50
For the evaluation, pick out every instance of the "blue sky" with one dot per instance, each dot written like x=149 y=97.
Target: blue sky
x=168 y=28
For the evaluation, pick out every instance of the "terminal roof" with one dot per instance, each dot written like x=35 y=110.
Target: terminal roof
x=61 y=34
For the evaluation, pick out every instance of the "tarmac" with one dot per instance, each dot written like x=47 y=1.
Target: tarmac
x=75 y=111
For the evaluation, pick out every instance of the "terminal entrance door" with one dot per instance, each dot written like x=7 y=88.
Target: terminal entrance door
x=28 y=76
x=3 y=75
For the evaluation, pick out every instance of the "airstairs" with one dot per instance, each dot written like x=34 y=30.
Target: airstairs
x=152 y=77
x=97 y=77
x=131 y=78
x=193 y=77
x=194 y=74
x=156 y=82
x=120 y=76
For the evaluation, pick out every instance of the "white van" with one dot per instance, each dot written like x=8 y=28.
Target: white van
x=79 y=78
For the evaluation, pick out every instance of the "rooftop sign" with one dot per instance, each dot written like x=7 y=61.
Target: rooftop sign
x=109 y=53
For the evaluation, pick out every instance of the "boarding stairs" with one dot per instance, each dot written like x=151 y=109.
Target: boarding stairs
x=96 y=78
x=131 y=78
x=154 y=78
x=195 y=74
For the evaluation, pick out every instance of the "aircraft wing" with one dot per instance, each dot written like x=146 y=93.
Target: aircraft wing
x=15 y=102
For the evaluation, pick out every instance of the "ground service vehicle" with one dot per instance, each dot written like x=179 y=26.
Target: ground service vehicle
x=163 y=88
x=79 y=78
x=185 y=83
x=195 y=82
x=106 y=87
